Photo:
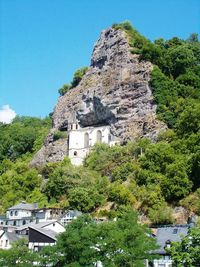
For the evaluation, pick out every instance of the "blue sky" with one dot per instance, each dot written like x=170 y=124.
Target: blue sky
x=42 y=42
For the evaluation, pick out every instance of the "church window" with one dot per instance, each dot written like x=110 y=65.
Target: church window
x=86 y=140
x=99 y=136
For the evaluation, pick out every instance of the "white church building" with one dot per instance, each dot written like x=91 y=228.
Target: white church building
x=81 y=140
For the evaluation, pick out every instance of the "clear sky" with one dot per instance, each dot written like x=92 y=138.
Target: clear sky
x=42 y=42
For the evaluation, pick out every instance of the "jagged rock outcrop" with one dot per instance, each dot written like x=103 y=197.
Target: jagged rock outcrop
x=114 y=91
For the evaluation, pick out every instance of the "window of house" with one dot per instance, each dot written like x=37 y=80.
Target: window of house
x=36 y=248
x=99 y=136
x=6 y=243
x=11 y=213
x=14 y=223
x=75 y=153
x=175 y=231
x=54 y=224
x=24 y=222
x=16 y=213
x=86 y=140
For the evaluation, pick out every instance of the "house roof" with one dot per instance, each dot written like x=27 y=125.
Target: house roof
x=47 y=232
x=24 y=206
x=172 y=234
x=12 y=236
x=36 y=225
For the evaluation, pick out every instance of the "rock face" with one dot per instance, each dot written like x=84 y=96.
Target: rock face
x=114 y=91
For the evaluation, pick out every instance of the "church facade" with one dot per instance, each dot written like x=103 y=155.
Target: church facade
x=81 y=140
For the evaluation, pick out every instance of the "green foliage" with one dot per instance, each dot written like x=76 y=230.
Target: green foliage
x=59 y=135
x=162 y=165
x=19 y=255
x=192 y=202
x=151 y=177
x=121 y=195
x=119 y=243
x=84 y=189
x=161 y=214
x=17 y=183
x=78 y=75
x=64 y=89
x=187 y=253
x=23 y=135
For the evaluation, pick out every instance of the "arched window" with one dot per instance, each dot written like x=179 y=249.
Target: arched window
x=16 y=213
x=99 y=136
x=24 y=222
x=86 y=140
x=75 y=153
x=14 y=223
x=11 y=213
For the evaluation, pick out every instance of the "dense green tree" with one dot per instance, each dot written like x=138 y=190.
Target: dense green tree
x=21 y=136
x=187 y=253
x=116 y=243
x=19 y=255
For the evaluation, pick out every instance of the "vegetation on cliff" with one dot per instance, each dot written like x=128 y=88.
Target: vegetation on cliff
x=151 y=178
x=78 y=75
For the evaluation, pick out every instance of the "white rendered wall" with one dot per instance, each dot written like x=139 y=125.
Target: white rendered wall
x=77 y=149
x=3 y=243
x=162 y=263
x=18 y=214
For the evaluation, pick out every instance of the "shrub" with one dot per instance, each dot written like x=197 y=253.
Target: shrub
x=59 y=135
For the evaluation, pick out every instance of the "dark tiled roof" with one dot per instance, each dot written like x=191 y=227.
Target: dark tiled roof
x=46 y=232
x=24 y=206
x=173 y=234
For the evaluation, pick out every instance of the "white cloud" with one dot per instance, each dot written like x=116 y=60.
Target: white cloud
x=7 y=114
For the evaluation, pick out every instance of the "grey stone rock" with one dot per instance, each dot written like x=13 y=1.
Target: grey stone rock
x=114 y=91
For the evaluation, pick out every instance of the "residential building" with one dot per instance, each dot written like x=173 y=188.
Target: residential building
x=24 y=213
x=69 y=216
x=164 y=236
x=40 y=237
x=8 y=238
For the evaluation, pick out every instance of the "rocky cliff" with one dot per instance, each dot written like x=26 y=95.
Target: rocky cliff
x=114 y=91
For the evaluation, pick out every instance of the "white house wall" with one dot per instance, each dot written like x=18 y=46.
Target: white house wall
x=162 y=263
x=18 y=214
x=4 y=242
